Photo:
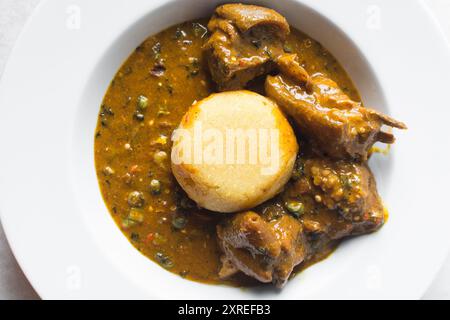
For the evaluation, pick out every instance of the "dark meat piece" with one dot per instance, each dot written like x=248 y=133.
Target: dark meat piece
x=246 y=17
x=245 y=39
x=227 y=268
x=288 y=65
x=267 y=251
x=333 y=193
x=338 y=126
x=341 y=197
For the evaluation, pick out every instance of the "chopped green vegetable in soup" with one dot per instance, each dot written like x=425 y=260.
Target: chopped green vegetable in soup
x=143 y=105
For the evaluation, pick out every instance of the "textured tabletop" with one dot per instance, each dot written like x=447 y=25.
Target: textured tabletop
x=13 y=284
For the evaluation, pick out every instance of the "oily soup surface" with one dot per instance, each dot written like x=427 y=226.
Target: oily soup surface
x=143 y=105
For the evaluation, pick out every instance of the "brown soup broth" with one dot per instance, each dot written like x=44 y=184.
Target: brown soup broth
x=143 y=105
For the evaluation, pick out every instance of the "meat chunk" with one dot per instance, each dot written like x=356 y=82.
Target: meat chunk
x=338 y=126
x=245 y=39
x=246 y=17
x=227 y=268
x=341 y=197
x=288 y=65
x=267 y=251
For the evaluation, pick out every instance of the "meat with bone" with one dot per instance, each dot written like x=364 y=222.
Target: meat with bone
x=340 y=199
x=265 y=250
x=244 y=42
x=338 y=126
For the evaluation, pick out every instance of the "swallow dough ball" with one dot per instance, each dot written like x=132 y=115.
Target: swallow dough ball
x=234 y=151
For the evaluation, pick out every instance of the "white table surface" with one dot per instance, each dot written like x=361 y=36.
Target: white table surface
x=13 y=284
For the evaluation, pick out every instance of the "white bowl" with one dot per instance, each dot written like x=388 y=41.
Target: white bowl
x=51 y=206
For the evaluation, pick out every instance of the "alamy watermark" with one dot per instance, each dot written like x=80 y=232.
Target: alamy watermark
x=373 y=21
x=73 y=278
x=73 y=20
x=228 y=146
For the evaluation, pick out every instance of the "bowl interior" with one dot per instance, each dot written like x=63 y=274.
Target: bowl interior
x=144 y=273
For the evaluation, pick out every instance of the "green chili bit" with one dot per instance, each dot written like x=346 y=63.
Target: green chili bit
x=295 y=207
x=155 y=187
x=136 y=199
x=142 y=102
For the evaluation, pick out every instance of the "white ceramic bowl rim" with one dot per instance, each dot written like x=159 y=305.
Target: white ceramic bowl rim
x=63 y=236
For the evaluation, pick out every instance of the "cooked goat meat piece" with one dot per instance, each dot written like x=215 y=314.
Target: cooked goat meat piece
x=265 y=250
x=345 y=193
x=336 y=125
x=227 y=268
x=313 y=227
x=288 y=65
x=246 y=17
x=339 y=200
x=244 y=41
